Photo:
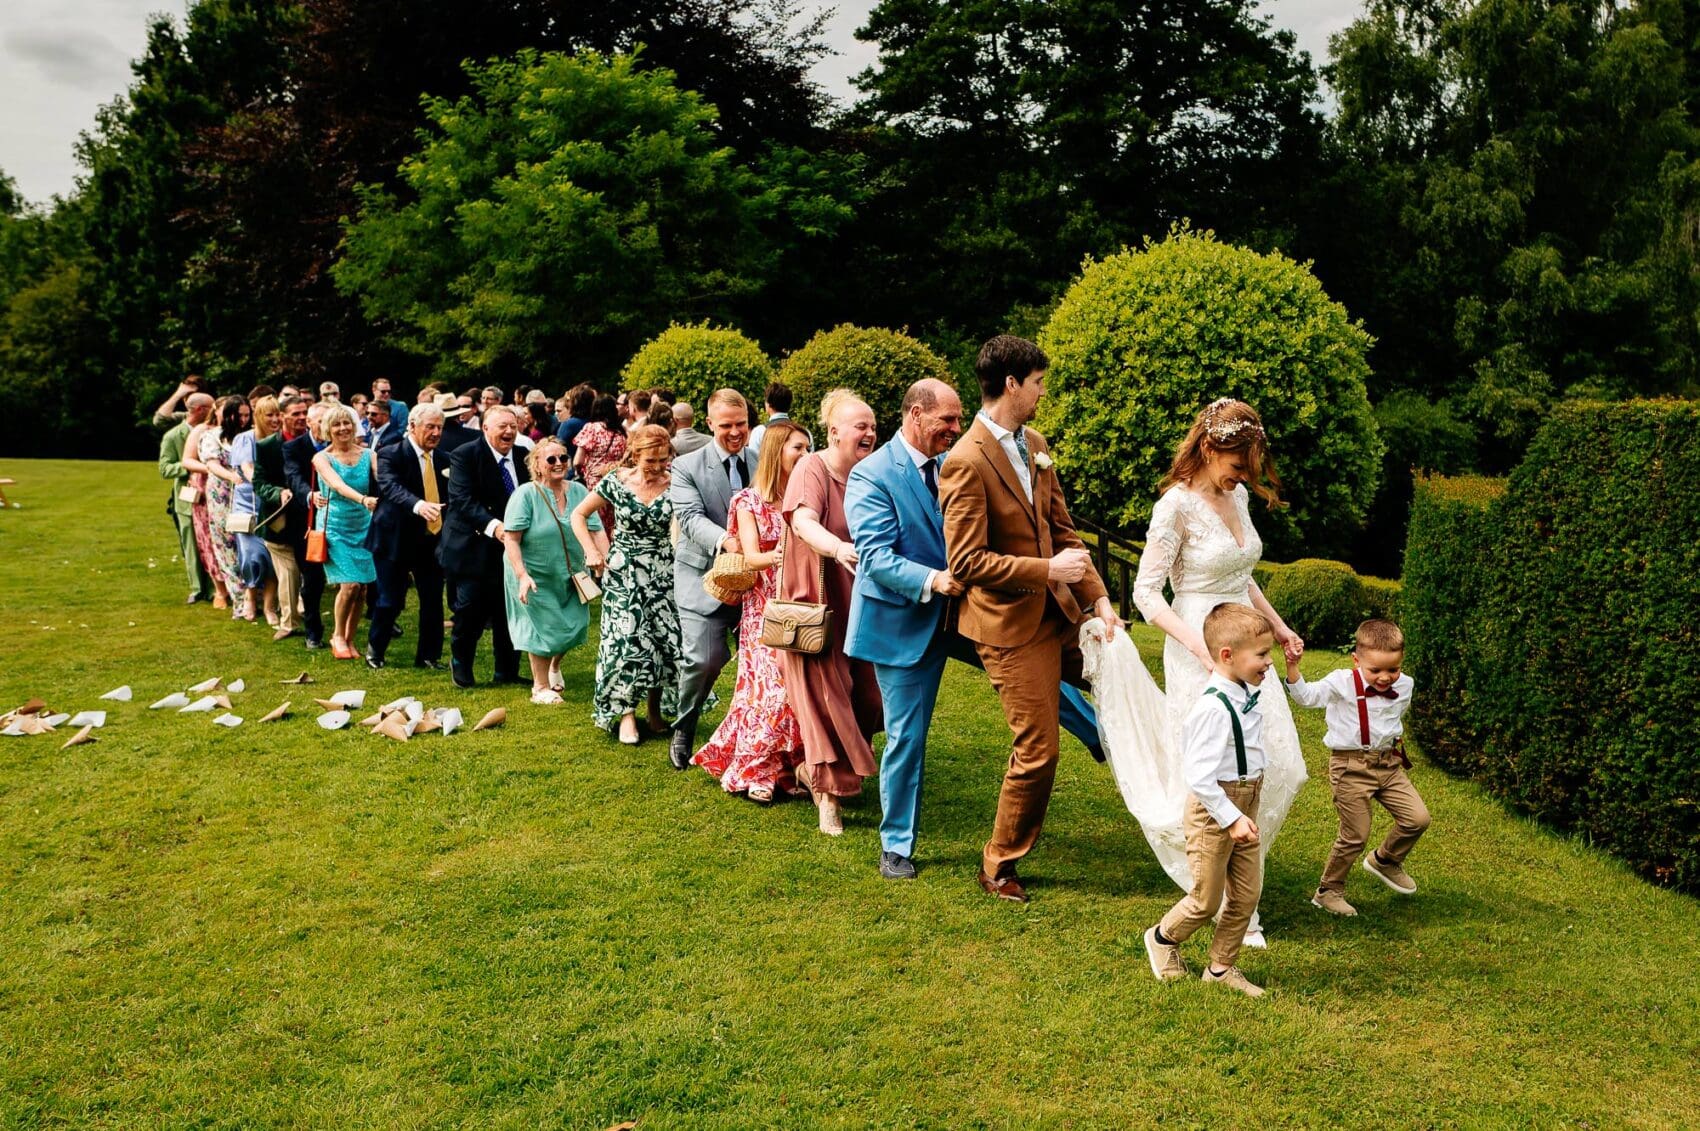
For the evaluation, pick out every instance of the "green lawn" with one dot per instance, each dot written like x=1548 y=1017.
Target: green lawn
x=283 y=926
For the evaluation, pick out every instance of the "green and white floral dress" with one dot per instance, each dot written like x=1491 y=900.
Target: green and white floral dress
x=639 y=649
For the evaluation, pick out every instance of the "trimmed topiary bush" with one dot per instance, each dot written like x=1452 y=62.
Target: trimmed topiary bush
x=1451 y=538
x=1553 y=635
x=1322 y=601
x=694 y=361
x=879 y=365
x=1146 y=339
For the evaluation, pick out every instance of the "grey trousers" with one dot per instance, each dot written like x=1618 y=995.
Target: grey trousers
x=703 y=653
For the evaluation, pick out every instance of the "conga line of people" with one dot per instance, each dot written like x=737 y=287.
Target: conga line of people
x=843 y=577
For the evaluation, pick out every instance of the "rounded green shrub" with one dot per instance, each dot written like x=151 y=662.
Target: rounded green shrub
x=1322 y=601
x=694 y=361
x=1147 y=338
x=879 y=365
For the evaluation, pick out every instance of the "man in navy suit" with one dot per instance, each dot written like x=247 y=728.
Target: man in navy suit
x=482 y=475
x=413 y=486
x=898 y=618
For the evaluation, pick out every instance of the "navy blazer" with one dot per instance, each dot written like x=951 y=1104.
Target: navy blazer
x=476 y=498
x=396 y=533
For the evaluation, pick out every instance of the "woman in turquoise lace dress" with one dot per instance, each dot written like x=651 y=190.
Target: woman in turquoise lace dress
x=637 y=660
x=347 y=478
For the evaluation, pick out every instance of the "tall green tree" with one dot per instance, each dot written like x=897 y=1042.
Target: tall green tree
x=1015 y=136
x=1516 y=195
x=556 y=217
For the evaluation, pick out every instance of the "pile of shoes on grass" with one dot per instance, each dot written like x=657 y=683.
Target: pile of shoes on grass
x=399 y=719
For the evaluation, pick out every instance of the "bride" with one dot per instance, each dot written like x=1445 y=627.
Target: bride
x=1203 y=544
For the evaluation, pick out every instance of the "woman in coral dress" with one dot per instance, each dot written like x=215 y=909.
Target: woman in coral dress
x=757 y=746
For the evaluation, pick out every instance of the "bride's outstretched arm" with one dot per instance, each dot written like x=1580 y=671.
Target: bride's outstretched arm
x=1162 y=547
x=1284 y=636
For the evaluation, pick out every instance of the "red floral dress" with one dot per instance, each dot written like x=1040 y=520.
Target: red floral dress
x=758 y=743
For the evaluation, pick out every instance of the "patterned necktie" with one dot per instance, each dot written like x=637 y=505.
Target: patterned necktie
x=1020 y=435
x=507 y=478
x=434 y=525
x=930 y=472
x=735 y=473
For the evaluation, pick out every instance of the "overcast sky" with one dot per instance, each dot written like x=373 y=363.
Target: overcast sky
x=61 y=59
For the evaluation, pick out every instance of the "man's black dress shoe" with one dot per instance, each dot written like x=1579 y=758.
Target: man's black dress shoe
x=896 y=867
x=373 y=660
x=431 y=665
x=314 y=644
x=679 y=748
x=462 y=676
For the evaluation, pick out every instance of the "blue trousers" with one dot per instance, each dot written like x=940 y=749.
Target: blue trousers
x=910 y=696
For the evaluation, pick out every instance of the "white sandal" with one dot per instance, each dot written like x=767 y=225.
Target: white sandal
x=544 y=696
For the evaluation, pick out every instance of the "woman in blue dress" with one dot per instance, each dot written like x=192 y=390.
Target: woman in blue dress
x=347 y=477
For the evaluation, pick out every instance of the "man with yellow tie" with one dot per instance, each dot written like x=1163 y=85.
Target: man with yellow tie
x=412 y=484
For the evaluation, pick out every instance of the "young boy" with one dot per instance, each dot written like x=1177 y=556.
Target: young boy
x=1222 y=759
x=1365 y=706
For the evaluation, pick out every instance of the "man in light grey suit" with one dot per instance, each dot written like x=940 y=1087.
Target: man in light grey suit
x=703 y=485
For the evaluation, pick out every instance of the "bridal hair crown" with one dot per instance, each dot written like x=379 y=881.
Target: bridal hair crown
x=1227 y=431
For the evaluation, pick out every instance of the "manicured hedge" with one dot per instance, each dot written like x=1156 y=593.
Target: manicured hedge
x=694 y=361
x=1325 y=601
x=1554 y=630
x=878 y=364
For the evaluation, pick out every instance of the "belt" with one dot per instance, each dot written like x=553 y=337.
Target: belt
x=1250 y=779
x=1391 y=754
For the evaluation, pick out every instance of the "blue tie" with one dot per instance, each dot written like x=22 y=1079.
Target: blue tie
x=507 y=480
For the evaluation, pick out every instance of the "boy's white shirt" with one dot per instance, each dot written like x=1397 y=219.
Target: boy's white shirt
x=1338 y=697
x=1207 y=744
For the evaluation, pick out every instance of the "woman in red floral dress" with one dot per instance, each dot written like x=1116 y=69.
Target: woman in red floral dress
x=757 y=746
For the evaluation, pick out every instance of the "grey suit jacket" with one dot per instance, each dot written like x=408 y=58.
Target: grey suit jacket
x=688 y=440
x=701 y=493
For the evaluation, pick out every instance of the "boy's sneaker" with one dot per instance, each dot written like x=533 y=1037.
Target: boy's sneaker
x=1333 y=902
x=1166 y=963
x=1233 y=979
x=1392 y=875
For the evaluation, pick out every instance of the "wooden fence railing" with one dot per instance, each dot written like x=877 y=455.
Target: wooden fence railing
x=1117 y=560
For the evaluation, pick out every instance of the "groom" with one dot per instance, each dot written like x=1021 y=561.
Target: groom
x=1030 y=585
x=898 y=616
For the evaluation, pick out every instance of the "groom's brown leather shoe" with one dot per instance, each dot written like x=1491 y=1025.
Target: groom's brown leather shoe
x=1005 y=887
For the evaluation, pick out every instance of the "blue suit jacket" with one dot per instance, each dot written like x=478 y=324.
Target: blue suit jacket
x=899 y=534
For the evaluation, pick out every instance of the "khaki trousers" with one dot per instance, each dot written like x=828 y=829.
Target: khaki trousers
x=288 y=572
x=1358 y=779
x=1224 y=874
x=1028 y=682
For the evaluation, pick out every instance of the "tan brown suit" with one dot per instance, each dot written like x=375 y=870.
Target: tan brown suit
x=1024 y=625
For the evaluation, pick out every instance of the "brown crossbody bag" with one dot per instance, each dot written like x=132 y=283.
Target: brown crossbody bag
x=797 y=626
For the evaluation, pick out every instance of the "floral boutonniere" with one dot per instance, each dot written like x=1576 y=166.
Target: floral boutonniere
x=1043 y=461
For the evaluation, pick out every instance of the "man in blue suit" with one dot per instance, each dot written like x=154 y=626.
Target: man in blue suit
x=898 y=618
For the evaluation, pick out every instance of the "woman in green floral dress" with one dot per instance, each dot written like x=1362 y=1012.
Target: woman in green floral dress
x=638 y=658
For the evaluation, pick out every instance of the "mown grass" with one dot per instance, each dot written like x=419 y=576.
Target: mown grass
x=283 y=926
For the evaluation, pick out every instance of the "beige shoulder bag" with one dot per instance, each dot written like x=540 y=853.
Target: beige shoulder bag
x=796 y=626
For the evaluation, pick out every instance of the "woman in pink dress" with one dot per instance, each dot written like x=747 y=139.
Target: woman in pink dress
x=757 y=746
x=601 y=443
x=836 y=698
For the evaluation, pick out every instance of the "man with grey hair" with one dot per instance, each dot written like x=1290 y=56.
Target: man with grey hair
x=403 y=538
x=686 y=439
x=182 y=503
x=483 y=475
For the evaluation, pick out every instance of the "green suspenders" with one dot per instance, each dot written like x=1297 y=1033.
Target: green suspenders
x=1239 y=734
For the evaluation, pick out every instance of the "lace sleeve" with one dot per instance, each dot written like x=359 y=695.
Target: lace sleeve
x=1162 y=547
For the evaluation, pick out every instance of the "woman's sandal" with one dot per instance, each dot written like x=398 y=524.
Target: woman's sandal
x=760 y=794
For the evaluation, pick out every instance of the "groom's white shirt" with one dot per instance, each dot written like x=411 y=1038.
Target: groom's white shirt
x=1207 y=744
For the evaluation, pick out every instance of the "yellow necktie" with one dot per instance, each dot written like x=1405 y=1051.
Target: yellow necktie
x=434 y=525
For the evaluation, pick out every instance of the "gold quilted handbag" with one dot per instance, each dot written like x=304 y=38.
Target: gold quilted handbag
x=797 y=626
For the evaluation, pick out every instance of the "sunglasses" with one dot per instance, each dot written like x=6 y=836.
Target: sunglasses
x=554 y=460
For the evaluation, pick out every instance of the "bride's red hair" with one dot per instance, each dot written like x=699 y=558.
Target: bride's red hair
x=1233 y=427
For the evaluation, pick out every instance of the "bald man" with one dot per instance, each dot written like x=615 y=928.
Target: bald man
x=173 y=470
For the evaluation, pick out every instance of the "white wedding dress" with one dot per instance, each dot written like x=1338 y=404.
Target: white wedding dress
x=1191 y=548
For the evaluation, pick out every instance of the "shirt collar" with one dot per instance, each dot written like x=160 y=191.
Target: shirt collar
x=418 y=452
x=498 y=456
x=721 y=455
x=999 y=432
x=1238 y=693
x=916 y=455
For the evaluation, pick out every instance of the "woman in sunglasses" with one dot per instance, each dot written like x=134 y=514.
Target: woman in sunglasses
x=545 y=615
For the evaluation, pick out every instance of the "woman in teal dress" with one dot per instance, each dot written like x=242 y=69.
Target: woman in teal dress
x=545 y=614
x=637 y=660
x=347 y=477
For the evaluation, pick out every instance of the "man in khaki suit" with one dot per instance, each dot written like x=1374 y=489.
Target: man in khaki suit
x=1030 y=584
